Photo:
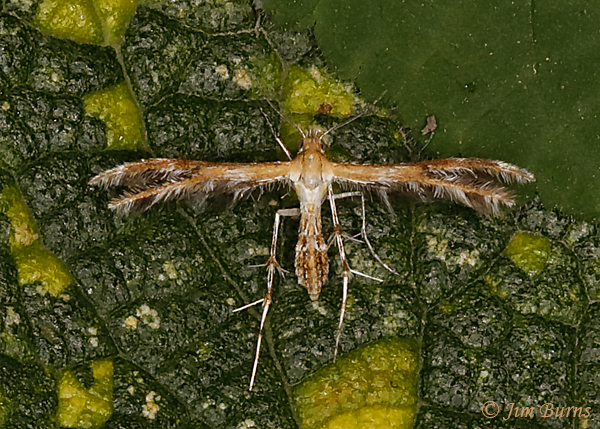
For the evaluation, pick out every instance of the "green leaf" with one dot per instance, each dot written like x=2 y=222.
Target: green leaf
x=516 y=81
x=126 y=322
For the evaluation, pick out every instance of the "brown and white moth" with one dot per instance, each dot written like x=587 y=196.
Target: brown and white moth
x=476 y=183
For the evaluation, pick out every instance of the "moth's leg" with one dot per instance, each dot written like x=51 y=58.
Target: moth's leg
x=339 y=197
x=271 y=265
x=363 y=229
x=346 y=271
x=363 y=232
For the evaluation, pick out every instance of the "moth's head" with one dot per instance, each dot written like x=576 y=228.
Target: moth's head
x=312 y=139
x=314 y=131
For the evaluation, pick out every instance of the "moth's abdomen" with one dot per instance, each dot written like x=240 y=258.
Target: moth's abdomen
x=312 y=263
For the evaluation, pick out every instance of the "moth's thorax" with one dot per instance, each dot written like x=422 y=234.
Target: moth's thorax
x=311 y=173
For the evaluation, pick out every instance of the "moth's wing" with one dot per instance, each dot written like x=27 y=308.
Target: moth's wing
x=149 y=182
x=474 y=182
x=147 y=173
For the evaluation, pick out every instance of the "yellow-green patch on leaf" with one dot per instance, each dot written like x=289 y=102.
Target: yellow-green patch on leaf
x=116 y=15
x=288 y=133
x=374 y=417
x=86 y=408
x=307 y=91
x=6 y=408
x=529 y=252
x=268 y=70
x=117 y=109
x=17 y=349
x=23 y=231
x=375 y=384
x=37 y=264
x=494 y=287
x=76 y=20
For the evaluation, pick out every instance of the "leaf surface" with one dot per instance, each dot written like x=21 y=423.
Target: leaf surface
x=516 y=81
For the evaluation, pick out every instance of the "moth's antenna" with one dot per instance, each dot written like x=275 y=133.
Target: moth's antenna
x=285 y=117
x=285 y=149
x=354 y=118
x=343 y=124
x=380 y=97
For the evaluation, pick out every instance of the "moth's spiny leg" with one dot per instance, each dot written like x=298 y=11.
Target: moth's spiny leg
x=252 y=304
x=285 y=149
x=280 y=213
x=347 y=195
x=266 y=305
x=346 y=272
x=339 y=197
x=338 y=334
x=280 y=269
x=354 y=238
x=271 y=265
x=363 y=232
x=358 y=273
x=337 y=229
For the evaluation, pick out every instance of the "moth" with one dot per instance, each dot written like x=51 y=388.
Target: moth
x=476 y=183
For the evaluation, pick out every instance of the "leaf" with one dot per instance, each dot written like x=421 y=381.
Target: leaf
x=510 y=80
x=144 y=303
